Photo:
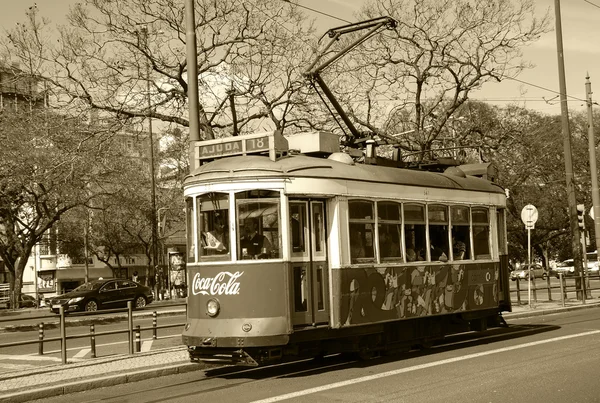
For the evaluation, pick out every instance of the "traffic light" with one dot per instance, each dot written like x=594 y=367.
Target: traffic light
x=581 y=215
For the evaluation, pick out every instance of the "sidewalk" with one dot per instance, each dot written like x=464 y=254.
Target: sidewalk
x=54 y=380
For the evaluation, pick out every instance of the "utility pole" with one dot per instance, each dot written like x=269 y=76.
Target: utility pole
x=593 y=170
x=85 y=245
x=192 y=75
x=566 y=133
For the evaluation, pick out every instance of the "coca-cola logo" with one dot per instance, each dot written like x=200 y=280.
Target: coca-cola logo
x=224 y=283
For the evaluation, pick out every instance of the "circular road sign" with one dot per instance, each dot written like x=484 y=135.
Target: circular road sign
x=529 y=216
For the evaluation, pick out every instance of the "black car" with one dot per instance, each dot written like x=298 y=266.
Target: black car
x=26 y=301
x=103 y=294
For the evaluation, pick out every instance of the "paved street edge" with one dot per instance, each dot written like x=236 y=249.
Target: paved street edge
x=109 y=380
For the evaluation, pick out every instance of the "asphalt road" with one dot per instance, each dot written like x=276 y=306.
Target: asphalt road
x=551 y=358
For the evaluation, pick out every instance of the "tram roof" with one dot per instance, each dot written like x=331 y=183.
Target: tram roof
x=251 y=167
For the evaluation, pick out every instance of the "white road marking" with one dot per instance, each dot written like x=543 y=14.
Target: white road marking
x=146 y=345
x=416 y=368
x=82 y=353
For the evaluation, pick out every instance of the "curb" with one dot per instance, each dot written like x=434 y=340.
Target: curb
x=109 y=380
x=549 y=311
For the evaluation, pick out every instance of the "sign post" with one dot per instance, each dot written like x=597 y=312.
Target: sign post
x=529 y=216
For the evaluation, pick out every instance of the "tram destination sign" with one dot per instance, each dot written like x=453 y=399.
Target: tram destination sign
x=271 y=143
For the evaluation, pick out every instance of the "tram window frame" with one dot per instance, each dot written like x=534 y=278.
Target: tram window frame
x=361 y=225
x=191 y=244
x=389 y=222
x=437 y=225
x=415 y=232
x=272 y=231
x=460 y=219
x=481 y=233
x=208 y=223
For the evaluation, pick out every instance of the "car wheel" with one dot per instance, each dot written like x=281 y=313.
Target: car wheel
x=140 y=302
x=91 y=306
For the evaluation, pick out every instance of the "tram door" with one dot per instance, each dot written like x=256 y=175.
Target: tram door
x=309 y=262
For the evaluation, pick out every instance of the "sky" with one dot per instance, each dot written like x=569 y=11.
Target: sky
x=537 y=89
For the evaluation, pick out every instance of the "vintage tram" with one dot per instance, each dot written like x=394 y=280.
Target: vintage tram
x=295 y=249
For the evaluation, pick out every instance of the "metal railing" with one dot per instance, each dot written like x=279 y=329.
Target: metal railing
x=133 y=334
x=566 y=285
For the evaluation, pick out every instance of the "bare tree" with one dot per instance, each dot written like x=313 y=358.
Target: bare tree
x=115 y=55
x=407 y=83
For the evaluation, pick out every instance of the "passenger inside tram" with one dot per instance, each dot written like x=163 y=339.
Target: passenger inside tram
x=437 y=253
x=215 y=241
x=254 y=245
x=389 y=245
x=357 y=247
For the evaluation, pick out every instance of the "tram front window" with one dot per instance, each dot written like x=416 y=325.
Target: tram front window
x=258 y=223
x=213 y=226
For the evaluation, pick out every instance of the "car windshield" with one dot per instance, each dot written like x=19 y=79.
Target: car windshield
x=88 y=286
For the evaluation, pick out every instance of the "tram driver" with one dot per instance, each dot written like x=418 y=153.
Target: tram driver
x=254 y=245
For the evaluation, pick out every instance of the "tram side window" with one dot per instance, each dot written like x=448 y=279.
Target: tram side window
x=415 y=232
x=390 y=227
x=213 y=226
x=481 y=232
x=438 y=233
x=461 y=240
x=361 y=225
x=189 y=211
x=258 y=220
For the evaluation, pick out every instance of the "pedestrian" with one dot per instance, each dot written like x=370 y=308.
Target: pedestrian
x=135 y=276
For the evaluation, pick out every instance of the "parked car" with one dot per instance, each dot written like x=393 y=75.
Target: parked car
x=567 y=267
x=537 y=271
x=26 y=301
x=103 y=294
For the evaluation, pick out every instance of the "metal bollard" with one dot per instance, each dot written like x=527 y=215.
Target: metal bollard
x=563 y=292
x=138 y=339
x=518 y=291
x=130 y=320
x=154 y=325
x=41 y=338
x=63 y=335
x=93 y=340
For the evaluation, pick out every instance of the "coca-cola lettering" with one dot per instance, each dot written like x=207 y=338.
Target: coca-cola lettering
x=224 y=283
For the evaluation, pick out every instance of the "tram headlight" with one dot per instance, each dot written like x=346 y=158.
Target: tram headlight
x=213 y=307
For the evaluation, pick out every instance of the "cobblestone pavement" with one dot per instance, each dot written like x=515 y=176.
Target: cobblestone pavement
x=57 y=379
